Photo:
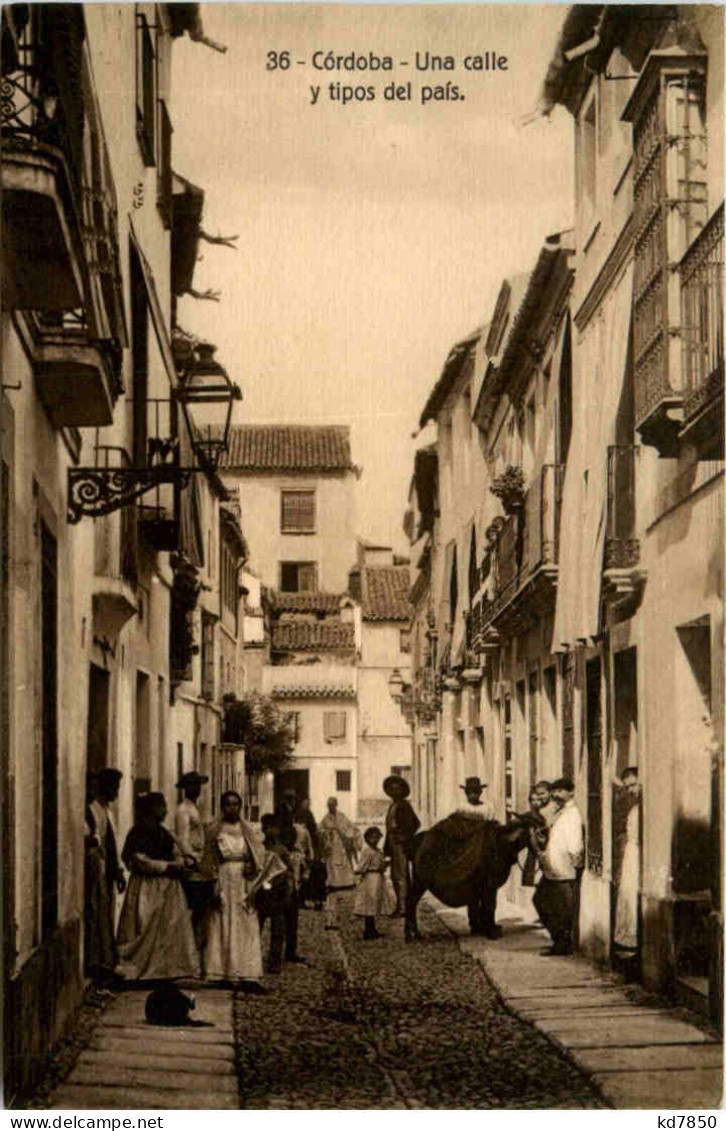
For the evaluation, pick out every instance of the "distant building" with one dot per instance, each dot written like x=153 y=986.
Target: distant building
x=381 y=583
x=296 y=487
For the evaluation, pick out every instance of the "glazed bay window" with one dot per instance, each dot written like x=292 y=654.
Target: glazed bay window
x=334 y=726
x=298 y=577
x=297 y=512
x=145 y=89
x=667 y=111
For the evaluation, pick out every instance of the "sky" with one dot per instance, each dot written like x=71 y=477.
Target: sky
x=373 y=235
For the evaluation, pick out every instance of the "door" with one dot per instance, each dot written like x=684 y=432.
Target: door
x=299 y=780
x=97 y=731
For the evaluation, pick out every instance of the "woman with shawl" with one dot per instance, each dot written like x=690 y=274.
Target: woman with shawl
x=625 y=934
x=340 y=842
x=155 y=935
x=239 y=864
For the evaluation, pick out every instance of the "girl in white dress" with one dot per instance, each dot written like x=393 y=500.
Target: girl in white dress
x=235 y=858
x=375 y=896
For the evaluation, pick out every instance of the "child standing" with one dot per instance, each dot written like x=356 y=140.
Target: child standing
x=373 y=896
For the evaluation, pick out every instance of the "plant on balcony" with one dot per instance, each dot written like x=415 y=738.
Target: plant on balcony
x=184 y=594
x=256 y=723
x=509 y=489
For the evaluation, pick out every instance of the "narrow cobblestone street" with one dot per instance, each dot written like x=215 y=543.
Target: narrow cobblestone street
x=418 y=1026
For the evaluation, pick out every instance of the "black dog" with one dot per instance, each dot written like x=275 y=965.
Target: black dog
x=167 y=1005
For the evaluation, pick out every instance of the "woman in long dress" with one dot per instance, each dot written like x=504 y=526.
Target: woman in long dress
x=340 y=842
x=155 y=935
x=236 y=858
x=625 y=934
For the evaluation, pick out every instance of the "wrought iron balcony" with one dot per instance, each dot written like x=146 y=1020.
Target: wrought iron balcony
x=622 y=575
x=701 y=271
x=524 y=562
x=62 y=269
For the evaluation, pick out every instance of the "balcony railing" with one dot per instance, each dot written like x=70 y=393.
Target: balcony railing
x=701 y=271
x=527 y=543
x=622 y=549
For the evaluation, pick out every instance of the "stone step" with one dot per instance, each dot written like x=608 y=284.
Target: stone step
x=655 y=1057
x=172 y=1078
x=84 y=1097
x=219 y=1034
x=104 y=1042
x=133 y=1058
x=646 y=1031
x=688 y=1088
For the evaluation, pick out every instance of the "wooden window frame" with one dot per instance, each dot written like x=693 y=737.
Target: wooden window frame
x=298 y=565
x=328 y=717
x=297 y=528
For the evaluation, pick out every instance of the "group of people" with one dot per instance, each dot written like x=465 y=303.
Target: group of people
x=197 y=899
x=555 y=861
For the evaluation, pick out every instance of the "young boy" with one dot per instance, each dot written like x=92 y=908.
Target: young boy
x=373 y=897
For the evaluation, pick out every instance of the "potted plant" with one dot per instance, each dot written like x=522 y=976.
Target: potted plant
x=509 y=489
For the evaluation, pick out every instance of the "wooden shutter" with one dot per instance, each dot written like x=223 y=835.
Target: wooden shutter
x=298 y=511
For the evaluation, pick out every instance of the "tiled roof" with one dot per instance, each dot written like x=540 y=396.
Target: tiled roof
x=385 y=593
x=304 y=602
x=324 y=691
x=306 y=636
x=453 y=366
x=288 y=447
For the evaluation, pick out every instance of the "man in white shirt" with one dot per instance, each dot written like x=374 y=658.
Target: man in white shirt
x=561 y=861
x=189 y=833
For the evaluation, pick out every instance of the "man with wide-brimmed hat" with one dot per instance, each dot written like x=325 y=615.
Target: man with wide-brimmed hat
x=189 y=833
x=476 y=805
x=402 y=825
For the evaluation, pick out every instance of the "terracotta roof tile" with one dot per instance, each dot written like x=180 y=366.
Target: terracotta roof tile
x=385 y=592
x=306 y=636
x=288 y=447
x=304 y=602
x=323 y=691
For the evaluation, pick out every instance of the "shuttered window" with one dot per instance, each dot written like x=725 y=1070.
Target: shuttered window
x=145 y=90
x=298 y=512
x=334 y=726
x=298 y=577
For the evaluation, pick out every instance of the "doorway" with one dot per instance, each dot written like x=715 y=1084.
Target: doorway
x=99 y=685
x=299 y=780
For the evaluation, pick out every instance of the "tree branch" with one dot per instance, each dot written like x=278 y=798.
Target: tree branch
x=209 y=295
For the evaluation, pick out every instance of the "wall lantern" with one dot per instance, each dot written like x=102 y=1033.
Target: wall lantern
x=396 y=685
x=207 y=396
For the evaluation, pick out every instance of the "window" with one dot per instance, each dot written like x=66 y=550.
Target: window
x=228 y=579
x=164 y=187
x=343 y=781
x=405 y=640
x=207 y=656
x=297 y=512
x=402 y=772
x=334 y=726
x=298 y=577
x=294 y=720
x=145 y=90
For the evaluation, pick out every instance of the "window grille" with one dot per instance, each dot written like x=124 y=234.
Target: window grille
x=343 y=781
x=207 y=657
x=164 y=188
x=295 y=724
x=298 y=512
x=145 y=91
x=334 y=726
x=405 y=640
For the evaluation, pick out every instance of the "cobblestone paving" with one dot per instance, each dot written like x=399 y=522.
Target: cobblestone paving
x=388 y=1025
